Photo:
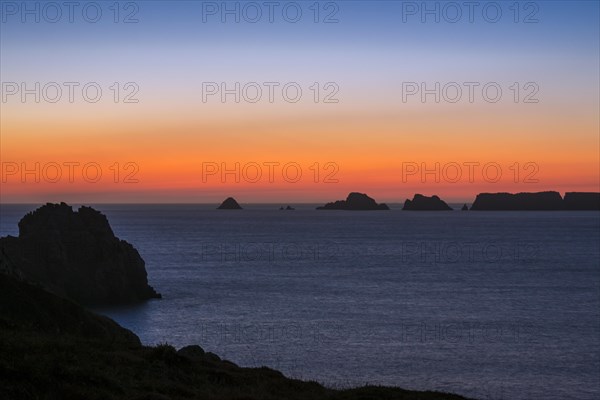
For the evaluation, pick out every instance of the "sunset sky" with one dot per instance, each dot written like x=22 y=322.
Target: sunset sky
x=165 y=145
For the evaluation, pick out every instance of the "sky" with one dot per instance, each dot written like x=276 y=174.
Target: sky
x=291 y=102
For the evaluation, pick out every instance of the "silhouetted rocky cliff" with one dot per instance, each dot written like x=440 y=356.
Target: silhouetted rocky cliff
x=581 y=201
x=75 y=254
x=542 y=201
x=52 y=348
x=355 y=202
x=32 y=309
x=424 y=203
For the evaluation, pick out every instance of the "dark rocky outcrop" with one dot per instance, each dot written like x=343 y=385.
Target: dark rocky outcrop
x=424 y=203
x=581 y=201
x=464 y=208
x=355 y=202
x=52 y=348
x=542 y=201
x=75 y=254
x=229 y=204
x=27 y=307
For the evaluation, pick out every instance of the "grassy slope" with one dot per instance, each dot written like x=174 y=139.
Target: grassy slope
x=51 y=348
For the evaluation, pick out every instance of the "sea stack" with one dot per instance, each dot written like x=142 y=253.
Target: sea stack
x=464 y=208
x=76 y=255
x=424 y=203
x=581 y=201
x=229 y=204
x=542 y=201
x=355 y=202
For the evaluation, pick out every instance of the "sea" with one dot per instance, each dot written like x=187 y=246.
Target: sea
x=489 y=305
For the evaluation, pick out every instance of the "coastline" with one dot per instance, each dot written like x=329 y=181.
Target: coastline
x=54 y=348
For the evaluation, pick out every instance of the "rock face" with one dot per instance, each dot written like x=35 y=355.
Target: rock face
x=464 y=208
x=33 y=309
x=580 y=201
x=424 y=203
x=75 y=254
x=355 y=202
x=229 y=204
x=542 y=201
x=52 y=348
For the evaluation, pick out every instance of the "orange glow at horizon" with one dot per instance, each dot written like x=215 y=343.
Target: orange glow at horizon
x=353 y=152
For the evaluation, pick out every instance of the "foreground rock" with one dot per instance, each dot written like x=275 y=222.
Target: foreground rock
x=75 y=254
x=31 y=309
x=424 y=203
x=542 y=201
x=355 y=202
x=581 y=201
x=54 y=349
x=229 y=204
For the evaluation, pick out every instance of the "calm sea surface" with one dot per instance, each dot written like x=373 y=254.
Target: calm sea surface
x=501 y=305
